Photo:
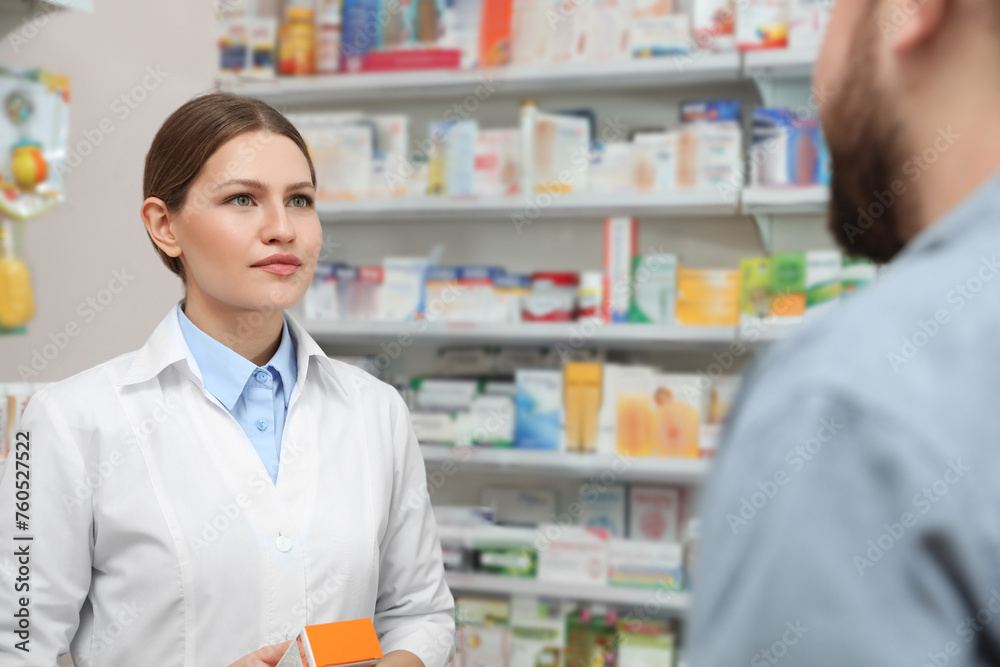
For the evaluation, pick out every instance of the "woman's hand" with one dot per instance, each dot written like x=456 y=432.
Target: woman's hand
x=265 y=657
x=400 y=659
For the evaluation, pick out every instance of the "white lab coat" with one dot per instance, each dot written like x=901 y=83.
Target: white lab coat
x=159 y=538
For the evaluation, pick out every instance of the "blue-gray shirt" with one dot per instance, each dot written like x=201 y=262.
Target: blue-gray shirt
x=256 y=397
x=853 y=514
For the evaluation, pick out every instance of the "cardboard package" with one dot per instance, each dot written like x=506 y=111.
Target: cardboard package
x=344 y=644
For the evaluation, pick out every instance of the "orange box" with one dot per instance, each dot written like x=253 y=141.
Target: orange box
x=343 y=644
x=495 y=34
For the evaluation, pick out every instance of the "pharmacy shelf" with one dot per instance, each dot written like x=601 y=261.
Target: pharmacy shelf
x=477 y=85
x=77 y=5
x=566 y=464
x=525 y=211
x=785 y=200
x=770 y=330
x=780 y=63
x=576 y=335
x=663 y=603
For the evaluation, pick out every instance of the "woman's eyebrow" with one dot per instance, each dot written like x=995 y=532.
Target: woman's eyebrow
x=245 y=182
x=300 y=186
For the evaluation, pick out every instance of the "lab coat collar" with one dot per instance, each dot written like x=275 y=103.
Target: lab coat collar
x=166 y=347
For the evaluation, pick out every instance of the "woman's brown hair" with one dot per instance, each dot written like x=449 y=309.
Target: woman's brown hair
x=192 y=134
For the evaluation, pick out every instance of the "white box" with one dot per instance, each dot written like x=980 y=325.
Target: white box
x=604 y=508
x=654 y=513
x=401 y=296
x=521 y=506
x=497 y=170
x=643 y=563
x=575 y=556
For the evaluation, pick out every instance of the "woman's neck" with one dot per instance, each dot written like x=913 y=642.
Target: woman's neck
x=253 y=334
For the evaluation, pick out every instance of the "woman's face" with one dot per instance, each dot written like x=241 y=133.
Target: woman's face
x=253 y=199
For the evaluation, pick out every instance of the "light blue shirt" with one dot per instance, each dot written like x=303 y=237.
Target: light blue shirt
x=256 y=397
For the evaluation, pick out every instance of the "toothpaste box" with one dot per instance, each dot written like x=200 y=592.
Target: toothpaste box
x=621 y=240
x=343 y=644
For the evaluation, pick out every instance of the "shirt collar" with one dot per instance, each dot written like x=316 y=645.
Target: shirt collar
x=979 y=207
x=167 y=347
x=224 y=372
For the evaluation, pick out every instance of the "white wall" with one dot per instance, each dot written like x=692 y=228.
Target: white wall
x=74 y=249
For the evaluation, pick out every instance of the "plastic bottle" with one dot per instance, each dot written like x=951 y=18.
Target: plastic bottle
x=297 y=43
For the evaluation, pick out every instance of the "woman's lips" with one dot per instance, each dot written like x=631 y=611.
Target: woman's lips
x=279 y=269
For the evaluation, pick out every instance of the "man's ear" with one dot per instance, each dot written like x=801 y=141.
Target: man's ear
x=918 y=21
x=157 y=220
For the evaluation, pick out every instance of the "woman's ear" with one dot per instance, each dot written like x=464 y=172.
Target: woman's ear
x=159 y=225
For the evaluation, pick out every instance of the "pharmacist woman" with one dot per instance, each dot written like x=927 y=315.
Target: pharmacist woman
x=198 y=501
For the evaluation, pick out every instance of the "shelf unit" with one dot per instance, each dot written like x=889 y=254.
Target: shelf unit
x=566 y=464
x=790 y=200
x=780 y=63
x=514 y=80
x=574 y=334
x=569 y=206
x=661 y=602
x=762 y=70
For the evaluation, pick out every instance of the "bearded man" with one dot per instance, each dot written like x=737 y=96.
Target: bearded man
x=853 y=513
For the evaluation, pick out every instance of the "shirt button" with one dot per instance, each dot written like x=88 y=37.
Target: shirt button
x=262 y=377
x=284 y=544
x=261 y=424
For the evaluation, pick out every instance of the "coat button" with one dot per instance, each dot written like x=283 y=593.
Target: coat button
x=284 y=544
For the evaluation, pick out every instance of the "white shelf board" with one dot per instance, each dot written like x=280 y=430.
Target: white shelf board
x=515 y=80
x=76 y=5
x=617 y=336
x=780 y=63
x=656 y=601
x=786 y=200
x=567 y=464
x=568 y=206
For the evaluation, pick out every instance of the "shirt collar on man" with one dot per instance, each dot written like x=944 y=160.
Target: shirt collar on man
x=225 y=372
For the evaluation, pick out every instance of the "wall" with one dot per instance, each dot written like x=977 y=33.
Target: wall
x=76 y=249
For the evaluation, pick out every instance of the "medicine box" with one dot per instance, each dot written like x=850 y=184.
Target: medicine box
x=539 y=403
x=654 y=513
x=604 y=508
x=574 y=556
x=343 y=644
x=646 y=564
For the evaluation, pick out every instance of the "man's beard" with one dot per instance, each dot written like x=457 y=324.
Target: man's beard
x=864 y=213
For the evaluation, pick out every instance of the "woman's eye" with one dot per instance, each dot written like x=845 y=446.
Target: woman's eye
x=242 y=200
x=300 y=201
